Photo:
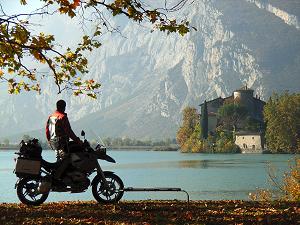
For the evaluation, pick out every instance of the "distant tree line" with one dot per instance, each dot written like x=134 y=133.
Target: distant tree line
x=6 y=143
x=281 y=126
x=108 y=141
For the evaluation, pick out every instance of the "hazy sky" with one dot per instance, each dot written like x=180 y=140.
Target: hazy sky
x=65 y=29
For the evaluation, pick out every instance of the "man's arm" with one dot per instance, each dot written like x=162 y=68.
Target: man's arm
x=69 y=131
x=47 y=130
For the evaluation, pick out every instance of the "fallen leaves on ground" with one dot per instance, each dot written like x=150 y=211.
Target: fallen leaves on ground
x=152 y=212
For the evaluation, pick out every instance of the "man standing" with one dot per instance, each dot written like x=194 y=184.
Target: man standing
x=58 y=133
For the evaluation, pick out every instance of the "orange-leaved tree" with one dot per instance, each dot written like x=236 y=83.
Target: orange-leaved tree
x=188 y=135
x=18 y=42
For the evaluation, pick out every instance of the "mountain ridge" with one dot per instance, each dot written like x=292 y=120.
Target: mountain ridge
x=148 y=78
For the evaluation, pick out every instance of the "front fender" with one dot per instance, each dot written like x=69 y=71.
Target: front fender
x=17 y=183
x=97 y=177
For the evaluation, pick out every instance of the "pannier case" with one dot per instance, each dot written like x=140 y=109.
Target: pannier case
x=27 y=166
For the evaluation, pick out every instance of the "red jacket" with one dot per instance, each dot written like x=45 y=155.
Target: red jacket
x=58 y=126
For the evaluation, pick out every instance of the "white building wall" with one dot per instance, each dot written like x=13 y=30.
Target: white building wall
x=249 y=143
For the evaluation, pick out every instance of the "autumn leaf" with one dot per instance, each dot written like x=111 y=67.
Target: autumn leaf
x=75 y=4
x=152 y=212
x=10 y=70
x=23 y=2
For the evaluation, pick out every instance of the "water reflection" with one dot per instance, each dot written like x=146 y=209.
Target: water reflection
x=193 y=164
x=204 y=164
x=204 y=176
x=196 y=164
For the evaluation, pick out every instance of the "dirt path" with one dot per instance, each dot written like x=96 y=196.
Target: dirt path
x=153 y=212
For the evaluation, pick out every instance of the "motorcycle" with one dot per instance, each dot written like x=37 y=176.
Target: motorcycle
x=37 y=180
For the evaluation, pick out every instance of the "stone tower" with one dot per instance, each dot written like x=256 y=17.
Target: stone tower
x=244 y=96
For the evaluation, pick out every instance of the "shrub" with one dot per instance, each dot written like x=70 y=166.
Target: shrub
x=288 y=189
x=225 y=143
x=292 y=183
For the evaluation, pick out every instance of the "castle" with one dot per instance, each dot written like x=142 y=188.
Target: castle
x=254 y=105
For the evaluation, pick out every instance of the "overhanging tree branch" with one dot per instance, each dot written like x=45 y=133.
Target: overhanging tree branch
x=17 y=42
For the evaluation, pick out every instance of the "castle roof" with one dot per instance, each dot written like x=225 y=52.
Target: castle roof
x=244 y=133
x=244 y=88
x=216 y=99
x=259 y=100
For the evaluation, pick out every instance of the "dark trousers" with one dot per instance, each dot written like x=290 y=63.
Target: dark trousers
x=62 y=154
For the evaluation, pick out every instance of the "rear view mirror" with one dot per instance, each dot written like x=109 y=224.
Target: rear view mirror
x=82 y=133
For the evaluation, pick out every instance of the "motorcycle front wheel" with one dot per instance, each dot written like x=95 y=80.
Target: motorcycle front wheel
x=27 y=191
x=111 y=194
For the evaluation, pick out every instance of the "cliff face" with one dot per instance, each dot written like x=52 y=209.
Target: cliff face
x=148 y=78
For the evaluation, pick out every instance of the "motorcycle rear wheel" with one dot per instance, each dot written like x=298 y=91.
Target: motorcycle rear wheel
x=113 y=193
x=27 y=191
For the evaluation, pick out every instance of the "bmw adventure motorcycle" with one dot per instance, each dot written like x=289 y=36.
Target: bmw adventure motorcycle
x=36 y=176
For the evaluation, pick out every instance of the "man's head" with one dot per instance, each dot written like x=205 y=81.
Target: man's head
x=61 y=105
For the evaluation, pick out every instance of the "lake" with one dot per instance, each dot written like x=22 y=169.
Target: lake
x=203 y=176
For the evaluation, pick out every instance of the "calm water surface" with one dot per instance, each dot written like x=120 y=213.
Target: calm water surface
x=204 y=176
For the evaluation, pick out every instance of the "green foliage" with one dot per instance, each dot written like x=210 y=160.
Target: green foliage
x=194 y=143
x=189 y=136
x=225 y=143
x=18 y=44
x=252 y=124
x=282 y=116
x=204 y=121
x=232 y=115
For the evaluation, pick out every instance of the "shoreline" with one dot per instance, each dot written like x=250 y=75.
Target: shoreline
x=143 y=148
x=10 y=148
x=153 y=212
x=113 y=148
x=158 y=149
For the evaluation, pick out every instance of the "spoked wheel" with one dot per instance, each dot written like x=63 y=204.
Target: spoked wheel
x=27 y=191
x=112 y=193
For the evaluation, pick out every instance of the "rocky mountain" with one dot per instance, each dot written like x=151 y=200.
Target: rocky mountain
x=148 y=78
